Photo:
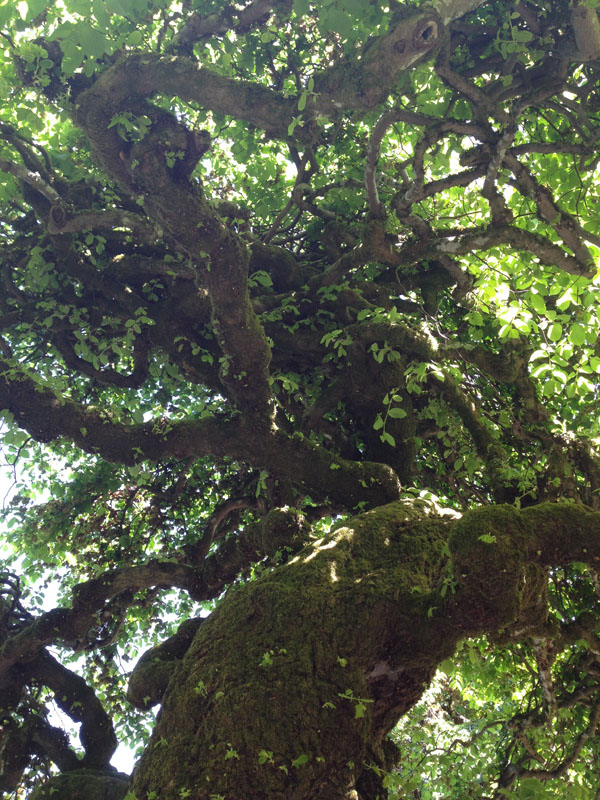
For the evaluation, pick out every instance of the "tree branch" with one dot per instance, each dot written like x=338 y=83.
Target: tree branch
x=60 y=222
x=199 y=26
x=32 y=179
x=78 y=700
x=467 y=241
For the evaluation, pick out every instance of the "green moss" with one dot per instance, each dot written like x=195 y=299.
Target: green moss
x=90 y=784
x=488 y=546
x=293 y=665
x=564 y=532
x=313 y=663
x=505 y=523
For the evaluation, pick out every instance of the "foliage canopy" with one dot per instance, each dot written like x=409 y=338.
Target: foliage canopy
x=299 y=313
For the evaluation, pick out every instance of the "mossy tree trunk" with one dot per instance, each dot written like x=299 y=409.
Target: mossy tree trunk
x=289 y=689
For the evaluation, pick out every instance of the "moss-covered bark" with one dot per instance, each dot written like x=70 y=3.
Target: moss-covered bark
x=78 y=783
x=289 y=688
x=305 y=669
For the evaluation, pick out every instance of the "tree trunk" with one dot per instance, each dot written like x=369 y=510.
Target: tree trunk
x=289 y=688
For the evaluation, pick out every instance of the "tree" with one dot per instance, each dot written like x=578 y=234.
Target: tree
x=299 y=377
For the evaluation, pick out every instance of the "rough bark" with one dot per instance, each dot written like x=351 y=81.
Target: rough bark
x=289 y=689
x=88 y=783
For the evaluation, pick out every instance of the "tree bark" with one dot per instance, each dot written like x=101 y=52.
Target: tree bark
x=289 y=688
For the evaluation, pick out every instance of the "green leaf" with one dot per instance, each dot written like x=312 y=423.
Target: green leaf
x=92 y=41
x=118 y=7
x=537 y=354
x=522 y=35
x=134 y=38
x=537 y=303
x=294 y=124
x=397 y=413
x=378 y=424
x=555 y=332
x=301 y=760
x=577 y=334
x=302 y=7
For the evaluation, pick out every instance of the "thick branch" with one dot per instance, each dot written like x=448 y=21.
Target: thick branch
x=60 y=223
x=33 y=179
x=200 y=25
x=46 y=416
x=145 y=75
x=348 y=85
x=485 y=238
x=107 y=376
x=77 y=699
x=221 y=257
